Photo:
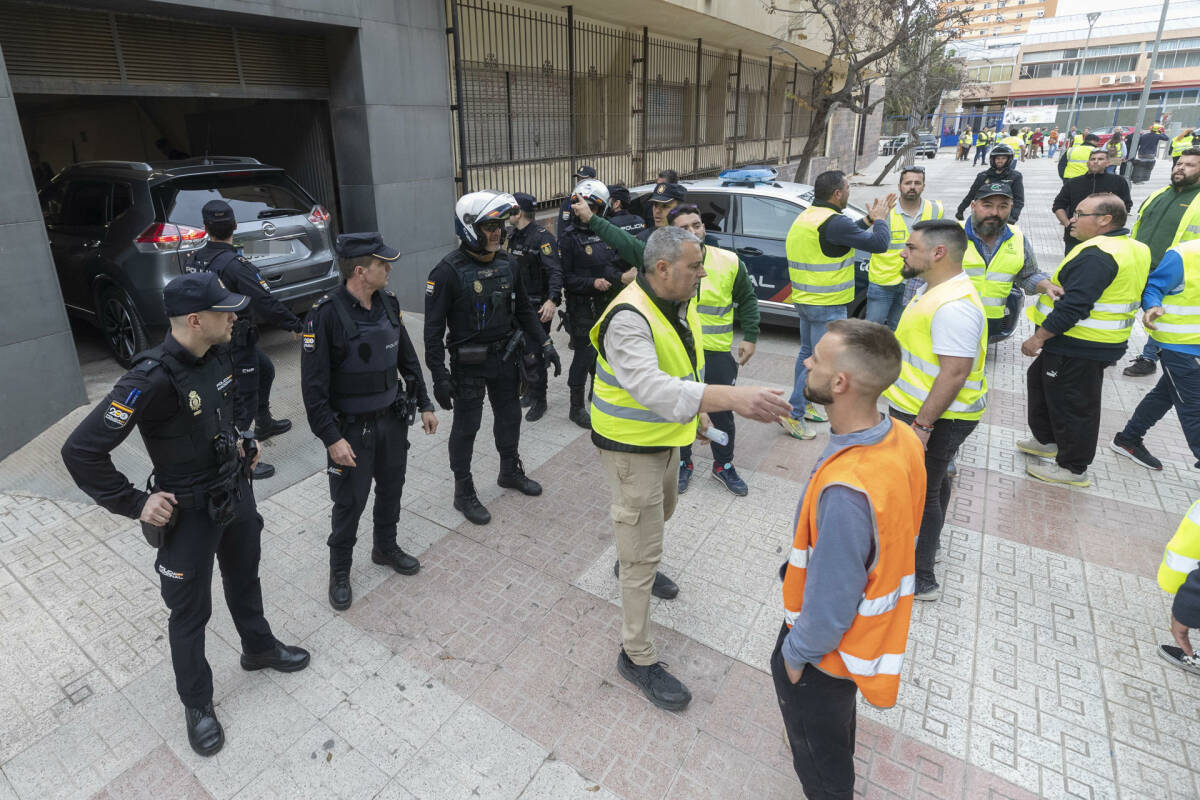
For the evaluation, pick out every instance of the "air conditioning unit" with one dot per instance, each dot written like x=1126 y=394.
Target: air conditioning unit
x=1128 y=79
x=1106 y=80
x=1159 y=75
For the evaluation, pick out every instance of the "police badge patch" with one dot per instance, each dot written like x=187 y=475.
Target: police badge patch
x=310 y=342
x=546 y=249
x=194 y=402
x=429 y=287
x=117 y=415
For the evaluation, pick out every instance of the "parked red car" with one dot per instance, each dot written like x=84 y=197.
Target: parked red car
x=1107 y=133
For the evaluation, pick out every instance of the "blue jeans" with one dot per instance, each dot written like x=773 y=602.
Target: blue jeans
x=1053 y=150
x=1151 y=350
x=813 y=320
x=884 y=303
x=1179 y=386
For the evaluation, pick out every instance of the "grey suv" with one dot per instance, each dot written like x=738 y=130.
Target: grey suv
x=119 y=230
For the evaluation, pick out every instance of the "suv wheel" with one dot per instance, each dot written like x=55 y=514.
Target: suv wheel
x=123 y=328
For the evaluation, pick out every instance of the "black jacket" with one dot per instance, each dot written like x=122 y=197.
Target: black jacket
x=1084 y=278
x=1076 y=189
x=243 y=277
x=991 y=175
x=1186 y=607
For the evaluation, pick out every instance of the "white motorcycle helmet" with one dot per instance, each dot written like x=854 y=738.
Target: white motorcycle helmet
x=477 y=207
x=594 y=193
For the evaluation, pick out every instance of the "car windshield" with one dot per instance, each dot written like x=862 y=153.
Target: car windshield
x=252 y=197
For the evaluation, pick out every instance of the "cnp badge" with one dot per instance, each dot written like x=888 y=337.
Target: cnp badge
x=662 y=187
x=478 y=287
x=546 y=250
x=310 y=342
x=194 y=402
x=588 y=249
x=116 y=416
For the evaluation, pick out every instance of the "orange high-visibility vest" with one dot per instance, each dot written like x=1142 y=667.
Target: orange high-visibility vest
x=892 y=474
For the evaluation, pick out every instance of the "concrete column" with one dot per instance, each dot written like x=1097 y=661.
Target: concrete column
x=392 y=131
x=39 y=370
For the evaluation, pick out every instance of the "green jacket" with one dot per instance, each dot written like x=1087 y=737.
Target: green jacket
x=630 y=249
x=1158 y=221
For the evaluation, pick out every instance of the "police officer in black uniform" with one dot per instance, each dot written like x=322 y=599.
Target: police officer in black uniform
x=253 y=371
x=536 y=251
x=476 y=307
x=354 y=344
x=663 y=198
x=591 y=271
x=619 y=213
x=198 y=502
x=564 y=210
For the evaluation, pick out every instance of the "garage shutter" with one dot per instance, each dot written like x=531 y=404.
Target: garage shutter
x=72 y=44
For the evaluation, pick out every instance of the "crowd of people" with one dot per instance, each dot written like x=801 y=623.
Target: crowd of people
x=650 y=311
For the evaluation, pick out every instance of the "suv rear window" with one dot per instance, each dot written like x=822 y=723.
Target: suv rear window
x=252 y=197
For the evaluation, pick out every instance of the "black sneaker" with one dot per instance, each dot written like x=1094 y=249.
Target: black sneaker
x=1169 y=652
x=660 y=687
x=663 y=588
x=1140 y=368
x=685 y=475
x=1134 y=450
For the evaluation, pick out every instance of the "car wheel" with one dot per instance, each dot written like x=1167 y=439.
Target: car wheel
x=122 y=326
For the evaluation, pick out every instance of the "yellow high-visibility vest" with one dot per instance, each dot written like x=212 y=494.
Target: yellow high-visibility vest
x=994 y=281
x=715 y=306
x=1112 y=316
x=1189 y=224
x=817 y=279
x=1182 y=553
x=884 y=269
x=1180 y=322
x=1077 y=158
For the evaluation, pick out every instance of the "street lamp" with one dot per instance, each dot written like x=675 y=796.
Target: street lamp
x=1091 y=18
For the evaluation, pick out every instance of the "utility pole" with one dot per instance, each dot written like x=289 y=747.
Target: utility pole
x=1141 y=112
x=1091 y=18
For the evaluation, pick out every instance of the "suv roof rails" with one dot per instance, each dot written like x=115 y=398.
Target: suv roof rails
x=203 y=161
x=141 y=166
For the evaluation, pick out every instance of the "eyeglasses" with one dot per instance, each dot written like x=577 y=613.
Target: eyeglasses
x=491 y=225
x=1077 y=214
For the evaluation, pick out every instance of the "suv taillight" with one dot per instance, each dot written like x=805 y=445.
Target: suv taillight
x=166 y=237
x=318 y=216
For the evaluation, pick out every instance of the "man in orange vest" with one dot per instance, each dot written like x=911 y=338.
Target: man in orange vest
x=848 y=582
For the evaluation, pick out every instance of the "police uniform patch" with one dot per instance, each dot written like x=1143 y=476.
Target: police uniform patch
x=117 y=415
x=194 y=402
x=310 y=342
x=588 y=249
x=429 y=287
x=662 y=187
x=223 y=384
x=546 y=249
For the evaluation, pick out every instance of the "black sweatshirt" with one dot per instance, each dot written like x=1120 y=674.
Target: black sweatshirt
x=1084 y=278
x=991 y=175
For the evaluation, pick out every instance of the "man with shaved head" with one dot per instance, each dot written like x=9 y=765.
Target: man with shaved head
x=848 y=581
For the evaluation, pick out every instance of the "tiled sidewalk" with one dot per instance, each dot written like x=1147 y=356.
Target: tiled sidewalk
x=492 y=673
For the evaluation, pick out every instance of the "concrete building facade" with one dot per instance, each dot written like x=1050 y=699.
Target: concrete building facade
x=988 y=18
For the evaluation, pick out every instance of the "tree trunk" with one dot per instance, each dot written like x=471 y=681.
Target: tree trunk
x=816 y=136
x=899 y=154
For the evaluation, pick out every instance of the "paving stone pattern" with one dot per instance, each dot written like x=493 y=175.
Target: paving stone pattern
x=492 y=673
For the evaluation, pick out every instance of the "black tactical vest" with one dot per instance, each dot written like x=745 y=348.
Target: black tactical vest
x=590 y=255
x=185 y=449
x=485 y=297
x=525 y=247
x=212 y=259
x=365 y=380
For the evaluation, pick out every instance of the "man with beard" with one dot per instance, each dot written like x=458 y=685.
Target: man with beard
x=1169 y=216
x=999 y=255
x=1001 y=169
x=941 y=391
x=847 y=593
x=885 y=292
x=1096 y=181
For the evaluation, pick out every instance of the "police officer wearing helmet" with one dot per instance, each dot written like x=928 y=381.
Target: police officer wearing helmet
x=591 y=270
x=1001 y=161
x=584 y=173
x=198 y=500
x=354 y=346
x=663 y=198
x=253 y=371
x=536 y=251
x=476 y=306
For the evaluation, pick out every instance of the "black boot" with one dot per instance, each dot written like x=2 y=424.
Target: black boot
x=204 y=730
x=537 y=409
x=526 y=400
x=579 y=413
x=512 y=476
x=266 y=428
x=340 y=596
x=466 y=501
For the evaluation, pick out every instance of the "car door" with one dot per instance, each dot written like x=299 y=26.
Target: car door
x=716 y=212
x=76 y=238
x=761 y=226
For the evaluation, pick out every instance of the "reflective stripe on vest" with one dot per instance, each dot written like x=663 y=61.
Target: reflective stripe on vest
x=817 y=279
x=1077 y=158
x=994 y=280
x=715 y=306
x=885 y=267
x=1182 y=553
x=1189 y=224
x=1178 y=145
x=615 y=414
x=1112 y=316
x=1180 y=322
x=891 y=473
x=919 y=364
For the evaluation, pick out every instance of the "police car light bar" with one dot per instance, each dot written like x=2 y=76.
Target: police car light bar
x=748 y=176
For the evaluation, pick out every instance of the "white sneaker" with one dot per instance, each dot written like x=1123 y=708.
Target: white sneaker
x=1053 y=473
x=1033 y=447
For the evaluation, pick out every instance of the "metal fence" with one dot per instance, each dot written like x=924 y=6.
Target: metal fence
x=537 y=93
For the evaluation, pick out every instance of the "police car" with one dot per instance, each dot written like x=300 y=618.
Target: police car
x=749 y=212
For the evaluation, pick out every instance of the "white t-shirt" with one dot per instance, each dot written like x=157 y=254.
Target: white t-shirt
x=957 y=326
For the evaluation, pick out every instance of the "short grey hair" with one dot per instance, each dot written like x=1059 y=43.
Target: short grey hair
x=666 y=244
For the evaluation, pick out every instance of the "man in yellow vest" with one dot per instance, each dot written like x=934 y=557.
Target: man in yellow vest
x=1077 y=337
x=1179 y=574
x=964 y=145
x=885 y=290
x=1073 y=161
x=726 y=296
x=981 y=146
x=1184 y=141
x=1167 y=217
x=1171 y=301
x=820 y=252
x=999 y=255
x=941 y=392
x=847 y=582
x=649 y=400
